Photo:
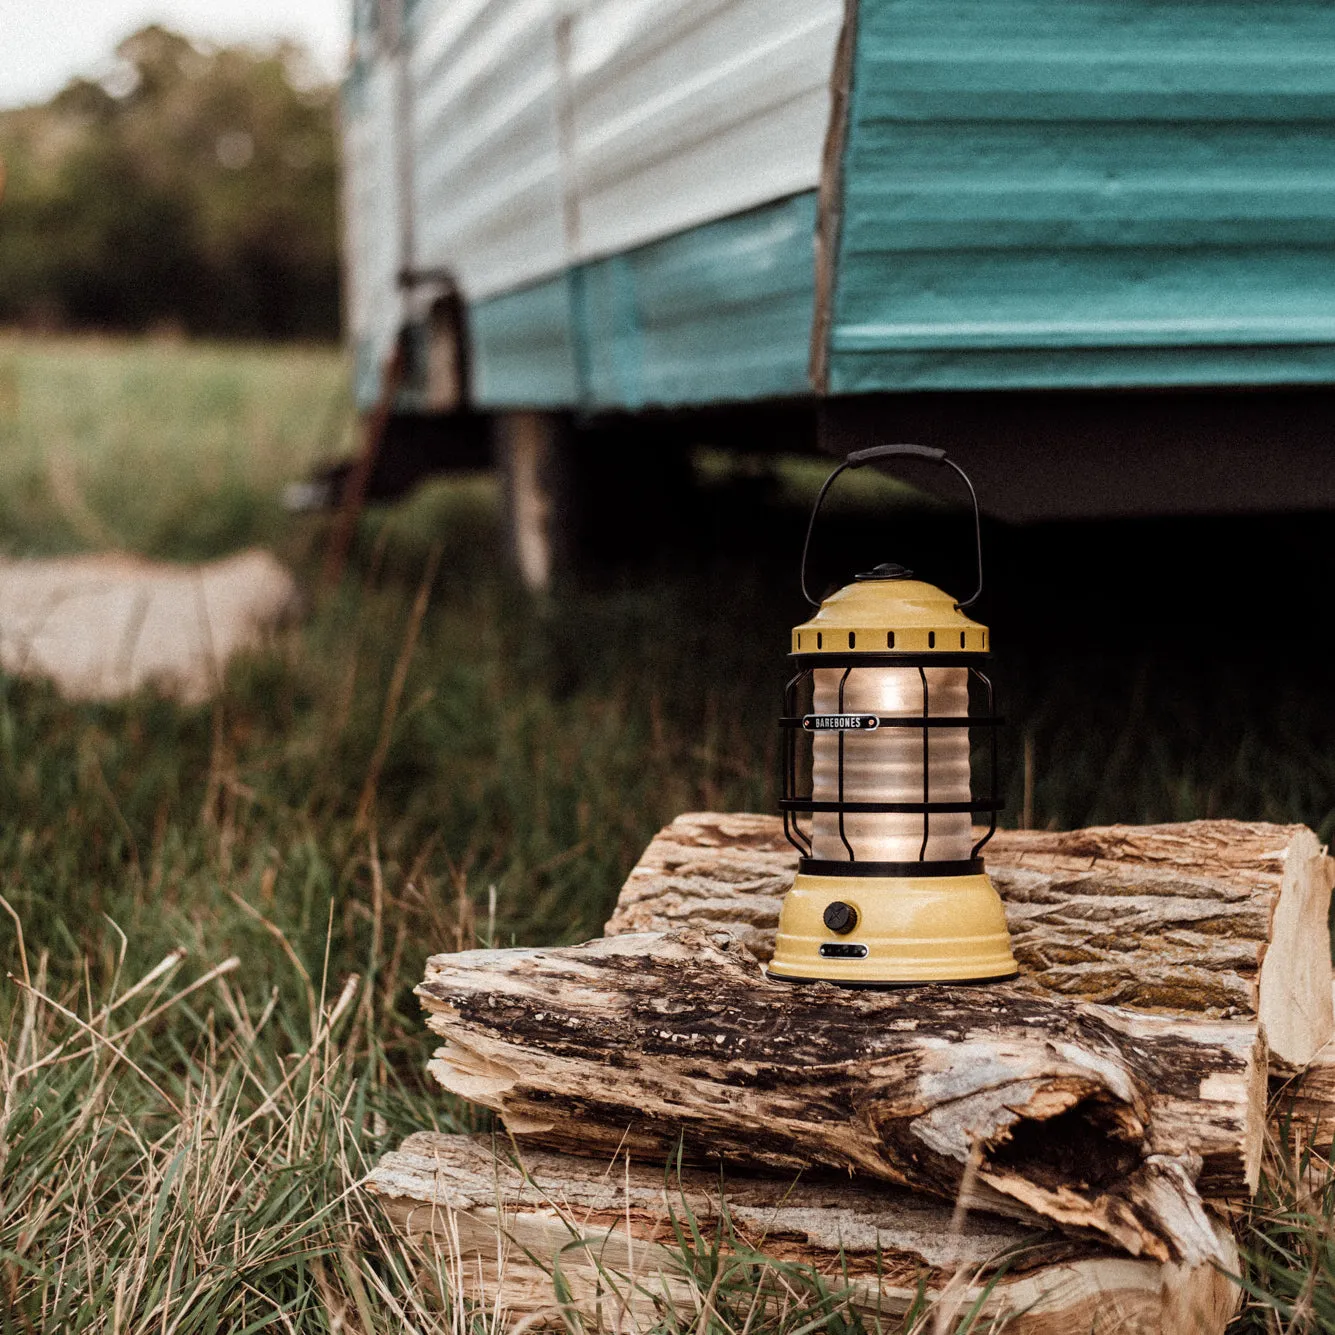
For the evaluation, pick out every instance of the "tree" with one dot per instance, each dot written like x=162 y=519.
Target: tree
x=196 y=186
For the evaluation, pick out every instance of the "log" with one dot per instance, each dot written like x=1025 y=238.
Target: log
x=1087 y=1116
x=504 y=1224
x=1219 y=918
x=1303 y=1106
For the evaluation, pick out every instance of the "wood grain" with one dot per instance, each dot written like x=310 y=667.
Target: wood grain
x=1091 y=1117
x=1219 y=918
x=503 y=1224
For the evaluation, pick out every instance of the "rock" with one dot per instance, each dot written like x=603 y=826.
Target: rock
x=104 y=626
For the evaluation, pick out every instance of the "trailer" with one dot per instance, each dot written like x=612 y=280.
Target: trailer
x=1087 y=245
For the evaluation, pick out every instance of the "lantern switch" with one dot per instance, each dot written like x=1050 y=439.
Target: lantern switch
x=840 y=917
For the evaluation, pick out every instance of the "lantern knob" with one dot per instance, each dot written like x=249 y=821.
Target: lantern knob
x=840 y=917
x=886 y=570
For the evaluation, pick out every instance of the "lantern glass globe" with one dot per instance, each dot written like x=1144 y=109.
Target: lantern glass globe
x=887 y=765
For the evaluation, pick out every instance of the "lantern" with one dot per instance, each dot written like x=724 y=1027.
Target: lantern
x=890 y=886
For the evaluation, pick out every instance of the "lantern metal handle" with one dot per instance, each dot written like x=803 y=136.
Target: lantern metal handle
x=860 y=457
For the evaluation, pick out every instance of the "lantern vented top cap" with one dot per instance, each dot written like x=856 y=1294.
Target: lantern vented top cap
x=890 y=614
x=886 y=570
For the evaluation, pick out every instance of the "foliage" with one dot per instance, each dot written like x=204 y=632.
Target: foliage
x=193 y=188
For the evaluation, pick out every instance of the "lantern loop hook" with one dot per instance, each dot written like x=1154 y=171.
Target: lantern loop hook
x=860 y=457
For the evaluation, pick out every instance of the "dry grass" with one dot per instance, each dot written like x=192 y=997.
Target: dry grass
x=208 y=1183
x=215 y=1185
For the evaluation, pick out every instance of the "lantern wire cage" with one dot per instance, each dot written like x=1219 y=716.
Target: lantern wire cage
x=795 y=801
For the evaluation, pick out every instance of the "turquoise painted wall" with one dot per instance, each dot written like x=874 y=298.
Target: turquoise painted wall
x=1087 y=193
x=523 y=348
x=721 y=312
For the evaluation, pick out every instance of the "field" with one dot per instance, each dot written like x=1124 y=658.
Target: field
x=212 y=919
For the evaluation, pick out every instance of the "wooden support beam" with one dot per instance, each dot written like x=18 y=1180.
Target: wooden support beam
x=1090 y=1117
x=504 y=1224
x=1218 y=918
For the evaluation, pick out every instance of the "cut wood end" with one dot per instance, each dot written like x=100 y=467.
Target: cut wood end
x=1294 y=1002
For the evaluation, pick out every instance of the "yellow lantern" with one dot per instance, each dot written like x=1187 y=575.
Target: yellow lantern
x=891 y=886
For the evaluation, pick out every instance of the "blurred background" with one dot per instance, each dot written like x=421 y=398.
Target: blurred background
x=170 y=291
x=166 y=187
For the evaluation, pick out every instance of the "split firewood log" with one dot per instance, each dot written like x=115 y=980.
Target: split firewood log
x=1304 y=1107
x=1087 y=1116
x=1220 y=918
x=619 y=1235
x=1302 y=1111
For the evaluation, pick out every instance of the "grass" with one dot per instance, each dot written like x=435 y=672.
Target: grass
x=172 y=450
x=181 y=1156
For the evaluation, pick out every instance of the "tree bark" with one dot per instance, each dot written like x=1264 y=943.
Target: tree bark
x=1219 y=918
x=1086 y=1116
x=505 y=1224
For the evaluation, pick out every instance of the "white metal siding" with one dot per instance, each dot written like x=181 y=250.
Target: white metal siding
x=701 y=109
x=547 y=133
x=372 y=228
x=486 y=159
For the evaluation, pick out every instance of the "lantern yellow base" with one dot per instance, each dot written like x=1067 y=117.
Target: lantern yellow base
x=915 y=929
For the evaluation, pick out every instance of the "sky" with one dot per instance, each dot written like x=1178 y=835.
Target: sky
x=45 y=43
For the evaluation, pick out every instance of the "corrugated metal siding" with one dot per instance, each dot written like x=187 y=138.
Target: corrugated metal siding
x=371 y=222
x=523 y=349
x=1067 y=192
x=719 y=313
x=486 y=159
x=549 y=134
x=684 y=111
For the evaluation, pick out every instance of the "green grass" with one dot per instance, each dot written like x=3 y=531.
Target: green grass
x=172 y=450
x=182 y=1159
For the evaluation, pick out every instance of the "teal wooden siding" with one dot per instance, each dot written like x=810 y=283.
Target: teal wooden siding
x=1061 y=193
x=718 y=313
